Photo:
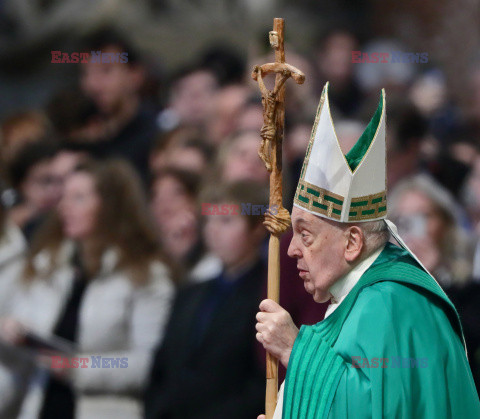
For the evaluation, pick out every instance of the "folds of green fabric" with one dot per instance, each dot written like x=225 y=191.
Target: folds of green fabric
x=321 y=381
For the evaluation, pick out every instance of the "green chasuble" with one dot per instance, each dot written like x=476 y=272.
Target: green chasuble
x=392 y=349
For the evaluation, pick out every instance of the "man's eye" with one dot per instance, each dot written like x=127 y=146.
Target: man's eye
x=303 y=235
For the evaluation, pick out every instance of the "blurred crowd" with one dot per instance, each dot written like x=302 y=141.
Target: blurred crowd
x=107 y=250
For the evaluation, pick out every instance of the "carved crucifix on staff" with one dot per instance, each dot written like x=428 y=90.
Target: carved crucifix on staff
x=277 y=218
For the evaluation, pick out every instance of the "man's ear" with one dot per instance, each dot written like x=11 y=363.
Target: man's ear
x=354 y=243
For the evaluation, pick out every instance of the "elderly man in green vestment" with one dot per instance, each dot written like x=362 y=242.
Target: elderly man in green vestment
x=391 y=344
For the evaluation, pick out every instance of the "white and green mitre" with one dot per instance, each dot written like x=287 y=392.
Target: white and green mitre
x=345 y=188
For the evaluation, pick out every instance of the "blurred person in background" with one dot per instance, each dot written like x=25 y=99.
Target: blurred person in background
x=406 y=131
x=175 y=209
x=226 y=111
x=238 y=159
x=64 y=163
x=225 y=62
x=22 y=128
x=251 y=115
x=450 y=157
x=96 y=278
x=115 y=89
x=395 y=77
x=333 y=59
x=182 y=148
x=13 y=248
x=16 y=131
x=193 y=156
x=207 y=366
x=75 y=117
x=30 y=174
x=191 y=98
x=12 y=252
x=428 y=219
x=429 y=93
x=449 y=147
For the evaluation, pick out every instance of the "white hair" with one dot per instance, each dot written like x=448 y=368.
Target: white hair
x=376 y=234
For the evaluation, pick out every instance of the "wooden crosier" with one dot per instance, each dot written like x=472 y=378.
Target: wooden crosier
x=277 y=218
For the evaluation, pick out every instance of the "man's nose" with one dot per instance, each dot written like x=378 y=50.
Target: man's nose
x=293 y=250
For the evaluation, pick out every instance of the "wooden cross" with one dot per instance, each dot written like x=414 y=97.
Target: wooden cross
x=277 y=218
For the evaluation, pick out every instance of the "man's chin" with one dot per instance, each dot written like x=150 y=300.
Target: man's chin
x=308 y=287
x=320 y=297
x=317 y=296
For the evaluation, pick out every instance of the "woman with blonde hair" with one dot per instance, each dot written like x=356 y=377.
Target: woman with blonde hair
x=96 y=278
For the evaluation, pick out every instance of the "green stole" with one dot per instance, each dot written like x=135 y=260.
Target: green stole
x=314 y=368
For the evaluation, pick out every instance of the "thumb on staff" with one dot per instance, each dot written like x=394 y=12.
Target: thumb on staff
x=270 y=306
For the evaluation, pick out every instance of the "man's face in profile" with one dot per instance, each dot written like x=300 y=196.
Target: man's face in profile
x=318 y=245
